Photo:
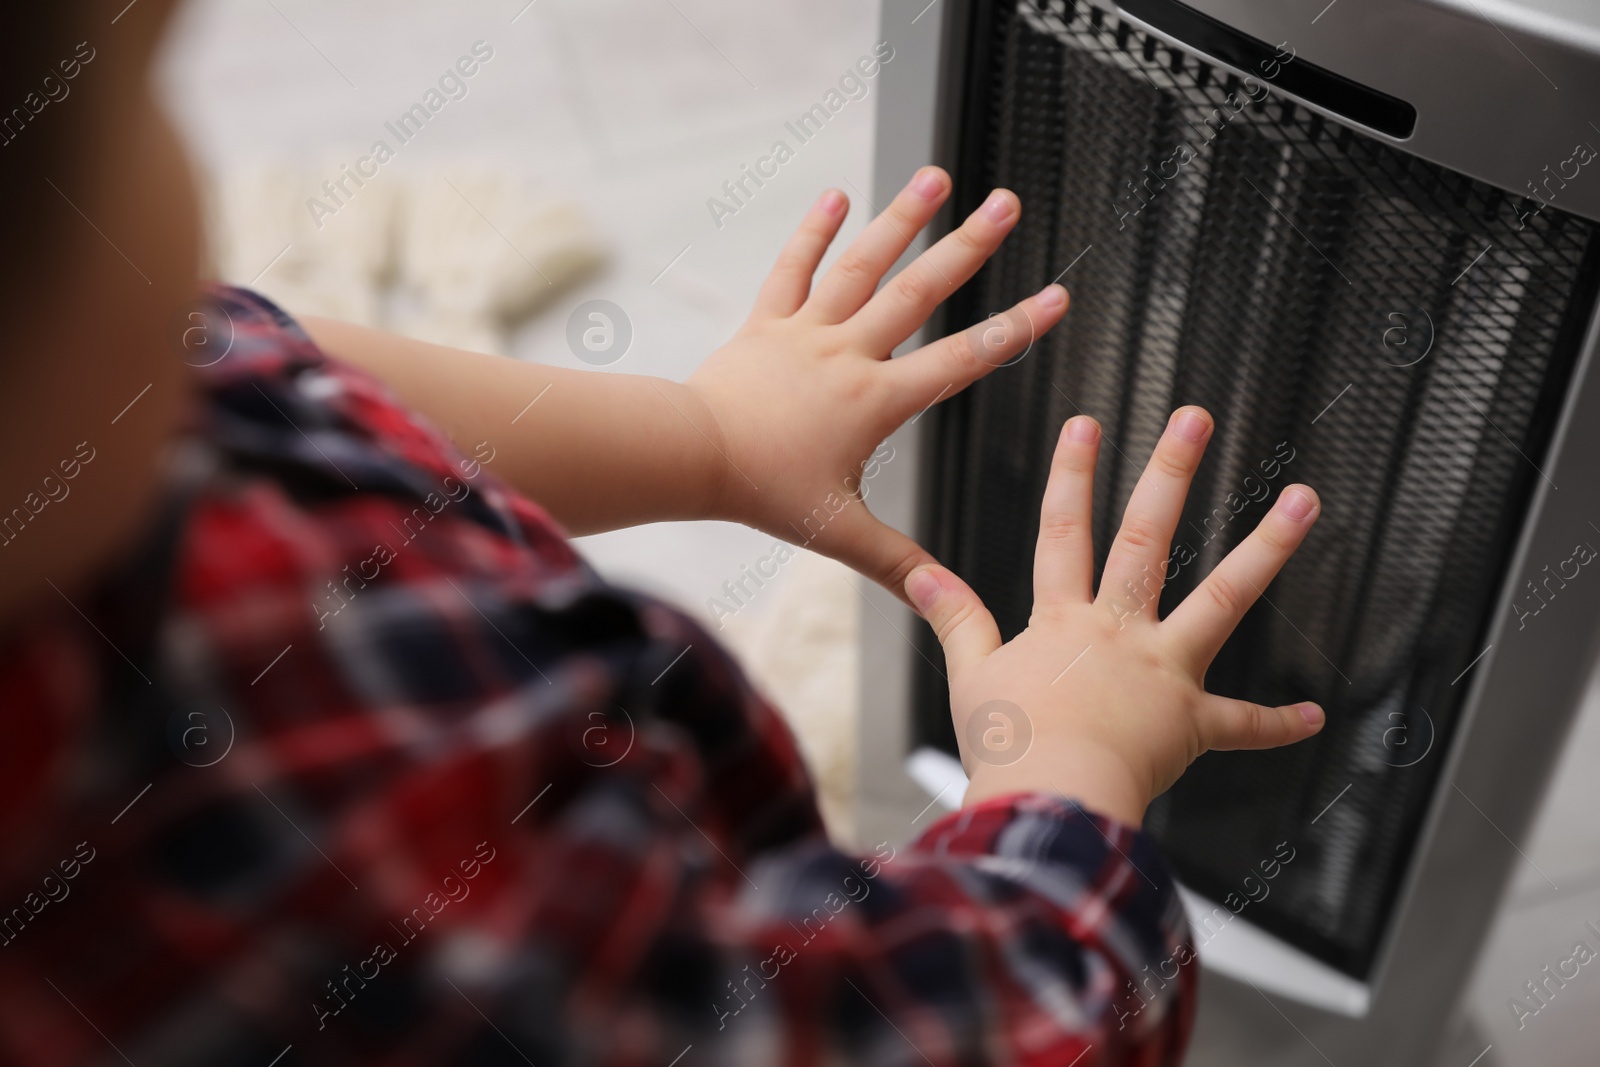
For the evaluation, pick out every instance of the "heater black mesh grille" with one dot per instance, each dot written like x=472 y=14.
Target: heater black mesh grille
x=1384 y=329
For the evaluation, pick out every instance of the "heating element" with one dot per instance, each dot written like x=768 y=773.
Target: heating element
x=1383 y=329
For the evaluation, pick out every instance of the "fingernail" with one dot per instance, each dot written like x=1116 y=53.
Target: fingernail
x=831 y=201
x=923 y=587
x=1082 y=429
x=929 y=184
x=1296 y=504
x=1191 y=426
x=999 y=207
x=1052 y=296
x=1311 y=714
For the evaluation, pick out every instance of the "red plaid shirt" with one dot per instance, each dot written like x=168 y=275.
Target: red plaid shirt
x=355 y=761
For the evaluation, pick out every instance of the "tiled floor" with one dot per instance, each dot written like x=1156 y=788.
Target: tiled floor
x=1552 y=897
x=640 y=109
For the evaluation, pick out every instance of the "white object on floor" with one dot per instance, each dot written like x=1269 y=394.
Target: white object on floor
x=939 y=774
x=265 y=237
x=1244 y=951
x=454 y=257
x=480 y=250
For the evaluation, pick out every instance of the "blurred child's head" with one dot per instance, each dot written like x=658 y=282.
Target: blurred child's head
x=99 y=251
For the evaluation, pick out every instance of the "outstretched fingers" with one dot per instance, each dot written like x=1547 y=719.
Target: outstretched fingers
x=1136 y=566
x=900 y=308
x=941 y=369
x=851 y=281
x=787 y=287
x=1063 y=559
x=1202 y=623
x=1236 y=724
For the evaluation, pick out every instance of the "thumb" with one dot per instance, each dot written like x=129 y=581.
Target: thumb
x=869 y=546
x=966 y=630
x=1235 y=724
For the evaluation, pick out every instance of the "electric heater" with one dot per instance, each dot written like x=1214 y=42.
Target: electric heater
x=1362 y=236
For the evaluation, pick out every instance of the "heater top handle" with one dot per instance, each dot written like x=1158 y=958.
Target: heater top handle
x=1502 y=97
x=1334 y=93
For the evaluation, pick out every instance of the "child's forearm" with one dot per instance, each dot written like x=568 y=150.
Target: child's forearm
x=600 y=451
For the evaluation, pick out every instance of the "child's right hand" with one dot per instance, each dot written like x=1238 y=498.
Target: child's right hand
x=1106 y=700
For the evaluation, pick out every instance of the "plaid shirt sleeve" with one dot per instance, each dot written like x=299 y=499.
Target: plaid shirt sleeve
x=355 y=761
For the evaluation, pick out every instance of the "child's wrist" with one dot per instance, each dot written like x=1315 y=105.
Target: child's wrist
x=1083 y=772
x=707 y=480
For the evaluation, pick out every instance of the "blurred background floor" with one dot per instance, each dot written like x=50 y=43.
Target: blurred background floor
x=1553 y=897
x=633 y=113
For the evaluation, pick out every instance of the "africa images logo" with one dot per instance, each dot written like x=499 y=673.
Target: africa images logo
x=999 y=733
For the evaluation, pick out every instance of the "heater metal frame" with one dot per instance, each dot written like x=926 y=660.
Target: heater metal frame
x=1265 y=999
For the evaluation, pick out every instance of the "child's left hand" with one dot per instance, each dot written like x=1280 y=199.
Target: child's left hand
x=805 y=392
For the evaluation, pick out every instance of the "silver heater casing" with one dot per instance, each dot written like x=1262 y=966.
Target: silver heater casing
x=1500 y=93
